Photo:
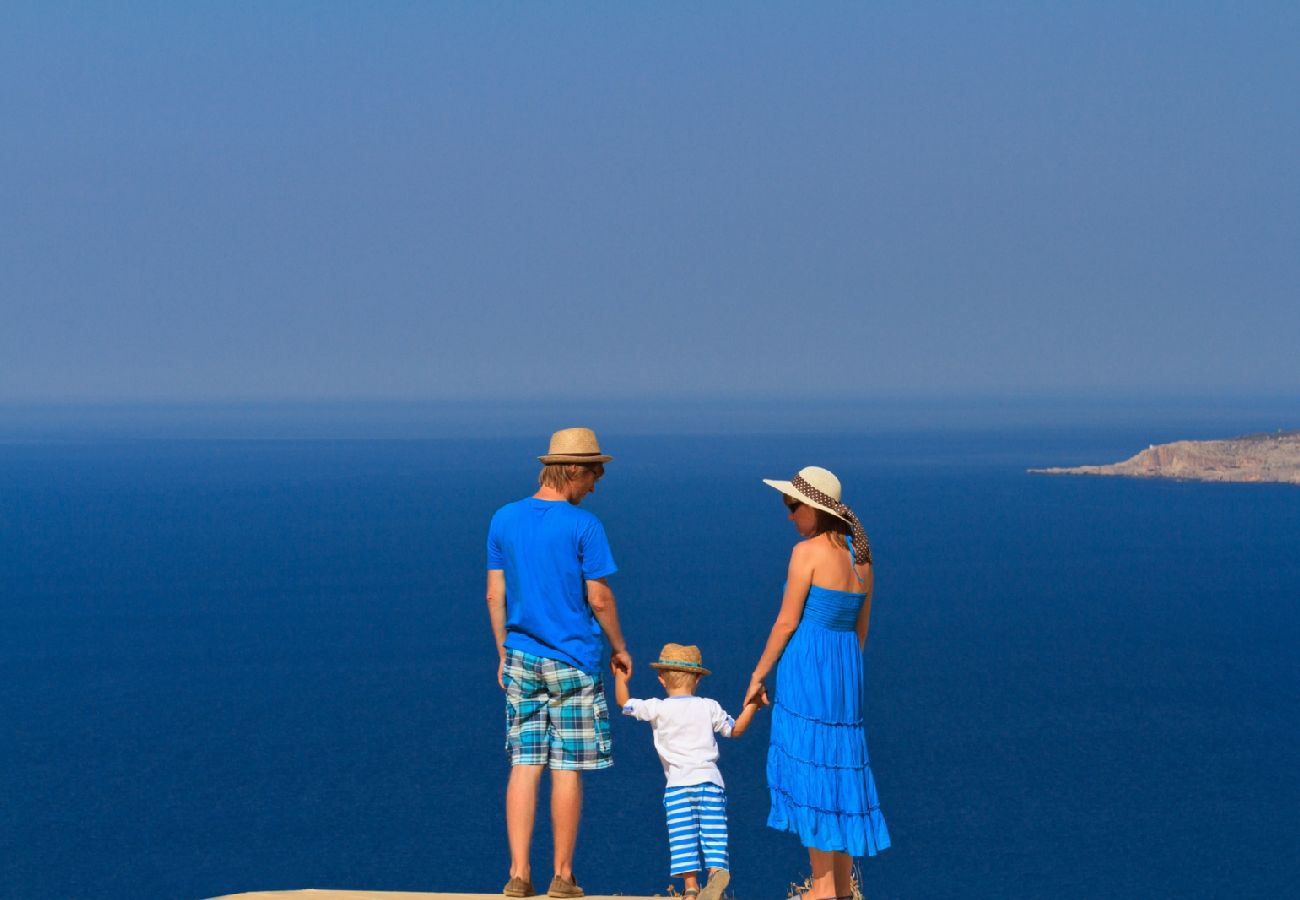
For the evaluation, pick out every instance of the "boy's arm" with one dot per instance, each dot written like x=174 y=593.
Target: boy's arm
x=620 y=687
x=746 y=714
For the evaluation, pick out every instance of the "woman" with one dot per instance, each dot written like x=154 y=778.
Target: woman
x=817 y=769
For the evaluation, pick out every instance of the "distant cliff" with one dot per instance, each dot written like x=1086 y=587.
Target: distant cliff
x=1254 y=457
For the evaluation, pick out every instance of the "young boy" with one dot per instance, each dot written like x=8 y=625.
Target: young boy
x=683 y=732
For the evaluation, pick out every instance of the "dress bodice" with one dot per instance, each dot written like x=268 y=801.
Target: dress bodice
x=836 y=610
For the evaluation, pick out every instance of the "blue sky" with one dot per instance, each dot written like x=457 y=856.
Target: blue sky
x=410 y=201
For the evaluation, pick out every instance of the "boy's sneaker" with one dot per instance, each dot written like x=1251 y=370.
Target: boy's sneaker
x=518 y=887
x=562 y=887
x=718 y=881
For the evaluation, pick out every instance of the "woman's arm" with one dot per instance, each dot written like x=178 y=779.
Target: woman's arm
x=864 y=614
x=798 y=581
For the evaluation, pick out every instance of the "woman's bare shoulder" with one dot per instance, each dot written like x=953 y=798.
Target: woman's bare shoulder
x=803 y=555
x=817 y=547
x=805 y=549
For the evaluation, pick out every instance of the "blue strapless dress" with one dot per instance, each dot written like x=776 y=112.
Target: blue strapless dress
x=817 y=768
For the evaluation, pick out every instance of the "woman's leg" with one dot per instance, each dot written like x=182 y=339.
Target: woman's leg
x=832 y=874
x=842 y=868
x=823 y=875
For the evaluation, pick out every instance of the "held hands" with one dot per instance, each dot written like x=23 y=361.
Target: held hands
x=756 y=692
x=622 y=672
x=760 y=699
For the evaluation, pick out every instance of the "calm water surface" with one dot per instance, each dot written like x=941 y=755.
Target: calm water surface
x=229 y=666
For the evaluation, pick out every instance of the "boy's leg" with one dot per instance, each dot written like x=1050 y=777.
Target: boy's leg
x=683 y=832
x=566 y=813
x=712 y=817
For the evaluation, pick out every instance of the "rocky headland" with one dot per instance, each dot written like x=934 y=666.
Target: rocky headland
x=1272 y=457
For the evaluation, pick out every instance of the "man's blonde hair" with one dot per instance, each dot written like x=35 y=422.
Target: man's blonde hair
x=558 y=475
x=676 y=680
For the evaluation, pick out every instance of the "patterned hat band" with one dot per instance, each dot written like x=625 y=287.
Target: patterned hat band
x=861 y=546
x=680 y=658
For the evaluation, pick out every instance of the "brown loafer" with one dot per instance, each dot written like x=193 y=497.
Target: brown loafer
x=518 y=887
x=561 y=887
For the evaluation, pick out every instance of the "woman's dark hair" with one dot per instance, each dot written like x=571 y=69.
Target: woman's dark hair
x=836 y=527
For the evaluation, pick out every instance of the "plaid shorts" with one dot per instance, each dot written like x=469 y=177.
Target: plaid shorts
x=556 y=715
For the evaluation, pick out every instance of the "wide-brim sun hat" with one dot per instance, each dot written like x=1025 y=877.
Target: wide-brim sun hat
x=680 y=658
x=820 y=479
x=574 y=445
x=820 y=489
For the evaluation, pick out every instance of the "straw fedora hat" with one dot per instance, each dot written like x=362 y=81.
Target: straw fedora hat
x=574 y=445
x=680 y=658
x=823 y=480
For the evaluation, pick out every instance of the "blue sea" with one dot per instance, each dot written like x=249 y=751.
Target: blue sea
x=235 y=665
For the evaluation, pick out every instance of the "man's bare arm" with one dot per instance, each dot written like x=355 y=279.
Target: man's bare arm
x=496 y=603
x=601 y=599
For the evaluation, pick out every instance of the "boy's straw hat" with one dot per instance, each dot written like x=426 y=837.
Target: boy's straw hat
x=679 y=658
x=574 y=445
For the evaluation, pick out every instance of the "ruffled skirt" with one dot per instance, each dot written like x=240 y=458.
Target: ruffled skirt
x=817 y=767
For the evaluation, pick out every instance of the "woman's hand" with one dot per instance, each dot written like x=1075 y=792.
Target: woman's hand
x=756 y=692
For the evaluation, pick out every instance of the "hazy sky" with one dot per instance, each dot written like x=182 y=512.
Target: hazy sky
x=420 y=200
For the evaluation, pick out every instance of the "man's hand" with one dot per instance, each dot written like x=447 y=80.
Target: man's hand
x=620 y=662
x=501 y=673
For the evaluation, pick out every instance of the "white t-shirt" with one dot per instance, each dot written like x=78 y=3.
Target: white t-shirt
x=683 y=730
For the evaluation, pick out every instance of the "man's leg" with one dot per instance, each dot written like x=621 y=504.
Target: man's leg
x=527 y=727
x=521 y=808
x=578 y=740
x=566 y=813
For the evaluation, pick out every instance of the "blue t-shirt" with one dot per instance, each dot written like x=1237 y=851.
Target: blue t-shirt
x=549 y=550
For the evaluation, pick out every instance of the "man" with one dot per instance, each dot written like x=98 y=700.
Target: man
x=549 y=603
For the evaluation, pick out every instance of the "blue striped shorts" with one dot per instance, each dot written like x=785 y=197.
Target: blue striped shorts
x=556 y=715
x=697 y=824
